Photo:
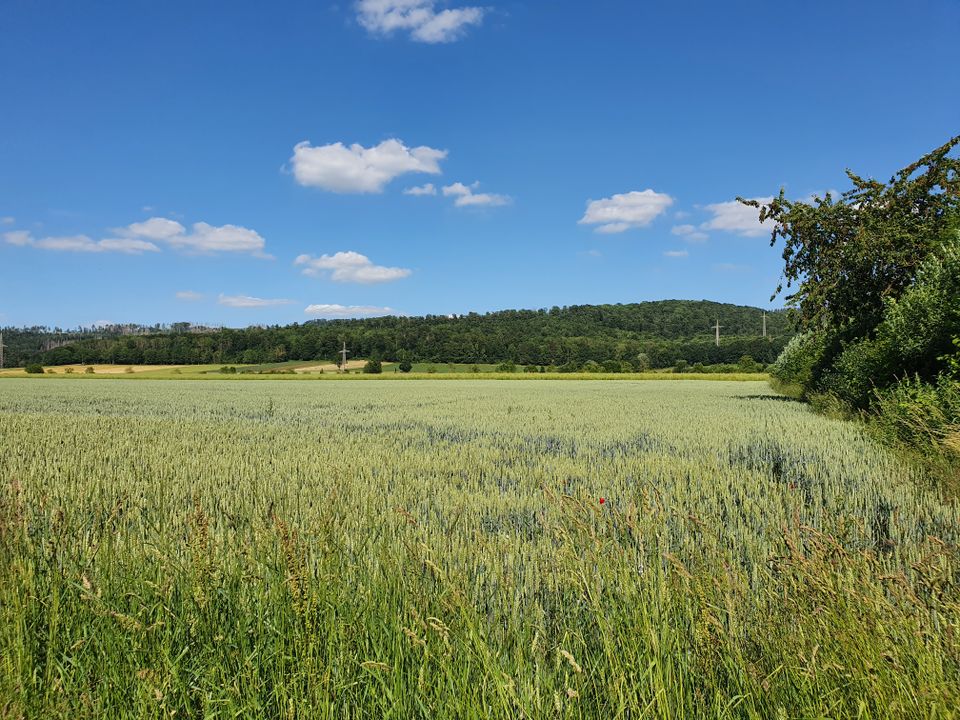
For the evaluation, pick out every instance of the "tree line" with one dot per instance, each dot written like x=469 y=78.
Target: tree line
x=665 y=332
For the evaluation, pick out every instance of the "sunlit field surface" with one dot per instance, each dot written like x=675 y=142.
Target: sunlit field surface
x=471 y=549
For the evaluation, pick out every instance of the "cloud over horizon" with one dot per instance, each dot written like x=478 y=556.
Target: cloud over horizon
x=336 y=311
x=247 y=301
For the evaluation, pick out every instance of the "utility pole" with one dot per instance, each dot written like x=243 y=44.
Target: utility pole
x=1 y=350
x=343 y=354
x=764 y=324
x=717 y=328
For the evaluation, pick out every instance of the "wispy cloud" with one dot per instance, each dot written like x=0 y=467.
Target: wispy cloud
x=149 y=236
x=625 y=211
x=689 y=232
x=419 y=18
x=246 y=301
x=676 y=253
x=189 y=296
x=334 y=311
x=357 y=169
x=81 y=243
x=350 y=266
x=203 y=238
x=427 y=189
x=466 y=197
x=7 y=220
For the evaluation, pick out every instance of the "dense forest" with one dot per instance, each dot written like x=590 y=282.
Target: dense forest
x=664 y=331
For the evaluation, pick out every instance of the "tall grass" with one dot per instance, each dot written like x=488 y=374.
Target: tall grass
x=404 y=550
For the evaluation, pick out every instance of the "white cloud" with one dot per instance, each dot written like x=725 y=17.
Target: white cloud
x=622 y=212
x=427 y=189
x=189 y=296
x=676 y=253
x=419 y=18
x=245 y=301
x=466 y=197
x=350 y=266
x=154 y=229
x=7 y=220
x=731 y=267
x=357 y=169
x=204 y=239
x=689 y=232
x=735 y=217
x=81 y=243
x=335 y=311
x=144 y=237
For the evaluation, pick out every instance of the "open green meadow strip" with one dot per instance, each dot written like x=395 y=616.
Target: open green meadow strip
x=471 y=549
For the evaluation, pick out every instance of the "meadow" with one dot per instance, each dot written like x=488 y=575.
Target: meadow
x=470 y=549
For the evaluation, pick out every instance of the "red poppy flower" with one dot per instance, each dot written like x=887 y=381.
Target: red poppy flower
x=602 y=500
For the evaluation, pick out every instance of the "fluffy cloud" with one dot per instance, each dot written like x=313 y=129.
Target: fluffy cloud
x=466 y=197
x=427 y=189
x=7 y=220
x=149 y=235
x=203 y=239
x=189 y=296
x=622 y=212
x=350 y=266
x=357 y=169
x=81 y=243
x=245 y=301
x=689 y=232
x=154 y=229
x=419 y=18
x=735 y=217
x=676 y=253
x=347 y=311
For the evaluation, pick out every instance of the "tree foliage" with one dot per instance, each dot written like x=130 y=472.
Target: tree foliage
x=847 y=256
x=664 y=331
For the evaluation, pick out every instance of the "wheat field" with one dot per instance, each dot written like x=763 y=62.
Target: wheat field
x=474 y=549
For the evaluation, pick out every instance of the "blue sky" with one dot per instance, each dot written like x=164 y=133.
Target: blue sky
x=247 y=162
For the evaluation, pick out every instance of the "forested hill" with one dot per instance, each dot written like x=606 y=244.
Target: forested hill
x=666 y=331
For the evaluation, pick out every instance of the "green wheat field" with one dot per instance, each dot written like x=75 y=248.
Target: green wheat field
x=471 y=549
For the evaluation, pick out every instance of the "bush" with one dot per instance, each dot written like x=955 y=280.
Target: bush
x=228 y=370
x=507 y=367
x=406 y=366
x=34 y=369
x=795 y=365
x=373 y=366
x=591 y=366
x=530 y=369
x=748 y=365
x=641 y=363
x=68 y=370
x=680 y=366
x=91 y=371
